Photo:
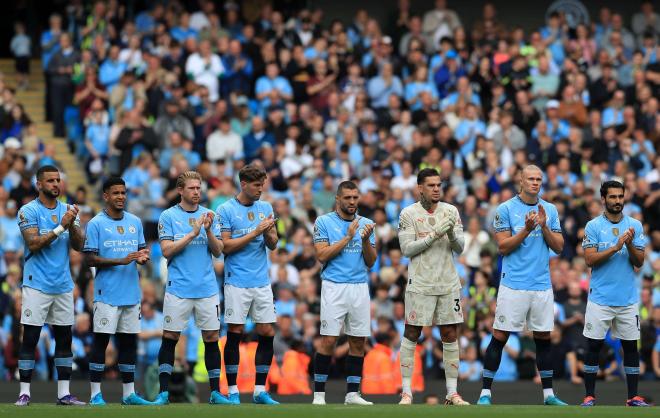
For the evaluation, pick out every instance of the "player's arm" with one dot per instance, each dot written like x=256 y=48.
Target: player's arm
x=212 y=227
x=456 y=235
x=326 y=251
x=593 y=257
x=233 y=245
x=635 y=245
x=410 y=247
x=30 y=230
x=94 y=260
x=171 y=248
x=76 y=237
x=507 y=242
x=36 y=242
x=271 y=238
x=551 y=233
x=369 y=245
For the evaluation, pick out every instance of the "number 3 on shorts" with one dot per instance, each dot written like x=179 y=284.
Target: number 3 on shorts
x=457 y=308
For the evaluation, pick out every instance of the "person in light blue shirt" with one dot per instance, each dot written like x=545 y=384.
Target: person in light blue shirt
x=114 y=245
x=468 y=129
x=272 y=89
x=248 y=231
x=49 y=227
x=189 y=236
x=381 y=87
x=526 y=229
x=112 y=69
x=613 y=247
x=420 y=85
x=346 y=246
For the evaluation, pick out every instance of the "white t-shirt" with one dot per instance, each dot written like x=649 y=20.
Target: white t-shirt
x=206 y=74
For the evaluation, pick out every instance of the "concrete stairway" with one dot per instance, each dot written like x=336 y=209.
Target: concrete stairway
x=33 y=101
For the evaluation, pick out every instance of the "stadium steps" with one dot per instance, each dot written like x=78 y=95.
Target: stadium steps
x=33 y=100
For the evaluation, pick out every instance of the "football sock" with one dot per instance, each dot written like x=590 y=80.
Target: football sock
x=166 y=362
x=26 y=356
x=321 y=370
x=492 y=361
x=262 y=360
x=544 y=365
x=212 y=361
x=631 y=366
x=232 y=358
x=354 y=366
x=591 y=366
x=450 y=358
x=407 y=356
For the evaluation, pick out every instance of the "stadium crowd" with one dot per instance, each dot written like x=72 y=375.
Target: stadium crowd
x=150 y=94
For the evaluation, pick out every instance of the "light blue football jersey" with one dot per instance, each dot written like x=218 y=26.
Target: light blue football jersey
x=115 y=238
x=527 y=267
x=247 y=267
x=613 y=281
x=190 y=273
x=46 y=270
x=348 y=266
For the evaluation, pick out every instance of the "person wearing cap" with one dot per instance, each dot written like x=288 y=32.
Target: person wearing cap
x=447 y=75
x=556 y=128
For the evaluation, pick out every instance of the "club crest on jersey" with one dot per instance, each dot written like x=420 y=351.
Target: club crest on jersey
x=120 y=229
x=251 y=216
x=191 y=221
x=131 y=229
x=615 y=231
x=431 y=220
x=53 y=217
x=262 y=216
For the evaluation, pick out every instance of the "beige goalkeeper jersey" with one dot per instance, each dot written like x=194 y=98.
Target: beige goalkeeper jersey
x=431 y=270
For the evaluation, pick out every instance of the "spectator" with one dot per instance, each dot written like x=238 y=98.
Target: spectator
x=21 y=48
x=206 y=68
x=60 y=68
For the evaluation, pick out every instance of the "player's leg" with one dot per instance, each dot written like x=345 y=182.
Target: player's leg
x=448 y=316
x=322 y=360
x=262 y=361
x=541 y=323
x=105 y=319
x=262 y=311
x=35 y=307
x=26 y=358
x=207 y=318
x=357 y=326
x=625 y=326
x=597 y=321
x=237 y=306
x=333 y=311
x=419 y=312
x=97 y=366
x=61 y=317
x=176 y=312
x=510 y=315
x=411 y=334
x=128 y=328
x=354 y=367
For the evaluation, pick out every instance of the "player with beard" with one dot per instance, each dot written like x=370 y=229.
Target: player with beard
x=430 y=233
x=49 y=227
x=613 y=246
x=114 y=246
x=190 y=237
x=345 y=244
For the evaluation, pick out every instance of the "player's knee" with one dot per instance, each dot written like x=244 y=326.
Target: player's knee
x=356 y=346
x=594 y=346
x=412 y=333
x=327 y=344
x=210 y=336
x=266 y=330
x=235 y=328
x=448 y=333
x=501 y=336
x=31 y=335
x=63 y=337
x=629 y=346
x=541 y=335
x=171 y=335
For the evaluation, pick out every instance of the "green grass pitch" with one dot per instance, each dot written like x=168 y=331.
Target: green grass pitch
x=331 y=410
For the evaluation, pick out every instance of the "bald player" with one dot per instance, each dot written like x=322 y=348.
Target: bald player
x=526 y=229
